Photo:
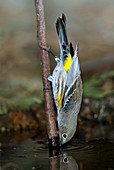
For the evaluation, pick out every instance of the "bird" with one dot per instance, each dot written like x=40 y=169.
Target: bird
x=66 y=84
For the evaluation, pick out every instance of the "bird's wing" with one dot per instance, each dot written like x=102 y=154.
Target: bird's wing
x=72 y=82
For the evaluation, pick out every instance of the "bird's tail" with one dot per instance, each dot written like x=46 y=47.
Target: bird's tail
x=62 y=34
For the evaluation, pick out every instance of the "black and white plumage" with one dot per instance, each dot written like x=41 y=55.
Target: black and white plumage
x=66 y=84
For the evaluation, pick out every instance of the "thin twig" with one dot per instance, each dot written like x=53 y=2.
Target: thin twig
x=51 y=125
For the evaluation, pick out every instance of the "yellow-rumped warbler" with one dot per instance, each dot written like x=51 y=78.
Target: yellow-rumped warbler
x=66 y=84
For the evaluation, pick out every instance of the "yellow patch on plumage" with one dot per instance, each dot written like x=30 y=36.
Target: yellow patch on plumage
x=67 y=62
x=59 y=99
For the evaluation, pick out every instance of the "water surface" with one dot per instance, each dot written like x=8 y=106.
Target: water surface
x=96 y=154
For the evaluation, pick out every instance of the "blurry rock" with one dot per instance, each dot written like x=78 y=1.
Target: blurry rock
x=22 y=120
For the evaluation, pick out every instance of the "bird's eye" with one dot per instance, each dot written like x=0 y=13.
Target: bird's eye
x=65 y=160
x=64 y=135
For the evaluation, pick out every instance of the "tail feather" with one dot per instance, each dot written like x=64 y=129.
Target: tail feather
x=61 y=29
x=62 y=34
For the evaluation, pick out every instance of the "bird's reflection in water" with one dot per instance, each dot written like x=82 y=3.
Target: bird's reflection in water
x=63 y=162
x=67 y=162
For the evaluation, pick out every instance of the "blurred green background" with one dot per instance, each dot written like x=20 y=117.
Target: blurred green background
x=89 y=22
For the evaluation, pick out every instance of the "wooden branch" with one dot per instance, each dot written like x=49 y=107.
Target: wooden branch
x=51 y=125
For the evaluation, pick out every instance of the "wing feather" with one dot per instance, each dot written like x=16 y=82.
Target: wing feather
x=73 y=82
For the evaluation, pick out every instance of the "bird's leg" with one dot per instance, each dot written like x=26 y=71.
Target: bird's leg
x=49 y=51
